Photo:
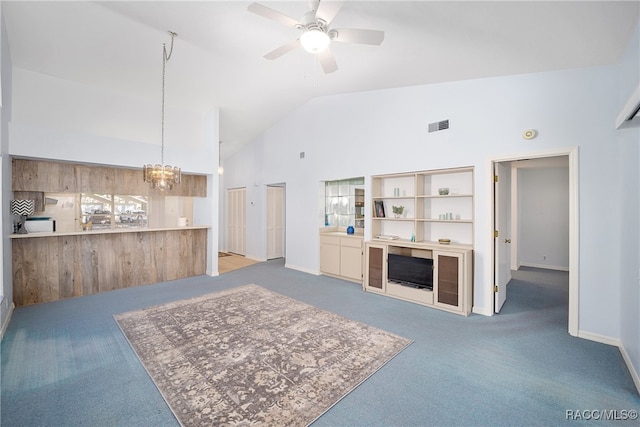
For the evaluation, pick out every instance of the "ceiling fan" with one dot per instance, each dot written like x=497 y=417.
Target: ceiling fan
x=316 y=31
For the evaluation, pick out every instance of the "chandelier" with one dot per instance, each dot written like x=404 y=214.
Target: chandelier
x=163 y=176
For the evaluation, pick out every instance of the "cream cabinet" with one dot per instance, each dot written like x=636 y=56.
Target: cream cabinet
x=374 y=271
x=438 y=276
x=341 y=256
x=452 y=273
x=330 y=255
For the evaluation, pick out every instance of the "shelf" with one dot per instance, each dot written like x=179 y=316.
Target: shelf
x=386 y=218
x=395 y=197
x=454 y=221
x=438 y=196
x=421 y=244
x=423 y=206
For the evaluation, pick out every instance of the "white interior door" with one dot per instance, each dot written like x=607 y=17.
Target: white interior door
x=502 y=212
x=236 y=220
x=275 y=222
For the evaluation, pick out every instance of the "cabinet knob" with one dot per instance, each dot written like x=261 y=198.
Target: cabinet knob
x=507 y=240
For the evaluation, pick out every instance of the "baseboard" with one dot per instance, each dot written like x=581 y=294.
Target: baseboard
x=482 y=311
x=304 y=270
x=7 y=320
x=599 y=338
x=632 y=370
x=545 y=266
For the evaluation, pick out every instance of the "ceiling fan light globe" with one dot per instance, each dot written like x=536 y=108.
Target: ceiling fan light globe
x=314 y=41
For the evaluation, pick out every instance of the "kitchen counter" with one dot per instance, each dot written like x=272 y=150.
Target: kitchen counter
x=104 y=231
x=340 y=233
x=59 y=265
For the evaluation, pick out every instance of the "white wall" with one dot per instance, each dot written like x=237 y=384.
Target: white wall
x=6 y=225
x=84 y=109
x=543 y=224
x=59 y=119
x=628 y=212
x=62 y=120
x=385 y=131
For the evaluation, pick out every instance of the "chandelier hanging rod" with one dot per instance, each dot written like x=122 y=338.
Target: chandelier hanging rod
x=165 y=58
x=163 y=176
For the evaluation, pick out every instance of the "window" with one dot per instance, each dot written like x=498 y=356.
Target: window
x=344 y=203
x=105 y=211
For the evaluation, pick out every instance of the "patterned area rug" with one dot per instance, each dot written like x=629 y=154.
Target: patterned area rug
x=248 y=356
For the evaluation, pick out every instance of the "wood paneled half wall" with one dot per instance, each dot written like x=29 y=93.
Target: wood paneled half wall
x=76 y=264
x=60 y=177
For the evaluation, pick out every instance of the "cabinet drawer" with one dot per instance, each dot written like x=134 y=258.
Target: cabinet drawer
x=353 y=243
x=330 y=240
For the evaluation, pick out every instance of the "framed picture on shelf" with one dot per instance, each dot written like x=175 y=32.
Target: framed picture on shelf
x=379 y=206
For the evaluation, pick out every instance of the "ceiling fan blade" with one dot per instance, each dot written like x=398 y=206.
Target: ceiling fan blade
x=274 y=15
x=327 y=10
x=285 y=48
x=327 y=61
x=354 y=35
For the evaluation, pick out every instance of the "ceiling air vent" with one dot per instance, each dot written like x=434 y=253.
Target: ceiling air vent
x=436 y=126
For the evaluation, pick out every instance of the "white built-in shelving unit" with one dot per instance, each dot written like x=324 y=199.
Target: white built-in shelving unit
x=428 y=215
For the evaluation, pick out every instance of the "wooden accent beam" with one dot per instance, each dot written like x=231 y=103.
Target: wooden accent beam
x=60 y=177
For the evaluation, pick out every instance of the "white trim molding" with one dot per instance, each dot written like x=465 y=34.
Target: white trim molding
x=632 y=370
x=302 y=269
x=603 y=339
x=7 y=319
x=574 y=229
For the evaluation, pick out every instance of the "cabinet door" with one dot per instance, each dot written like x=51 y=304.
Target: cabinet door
x=375 y=268
x=351 y=258
x=330 y=255
x=448 y=280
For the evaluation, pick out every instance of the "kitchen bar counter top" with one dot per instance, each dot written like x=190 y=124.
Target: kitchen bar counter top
x=105 y=231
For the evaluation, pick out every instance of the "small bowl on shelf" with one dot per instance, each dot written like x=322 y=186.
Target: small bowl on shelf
x=443 y=191
x=444 y=241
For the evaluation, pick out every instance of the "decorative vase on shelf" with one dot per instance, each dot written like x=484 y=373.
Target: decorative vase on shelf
x=397 y=210
x=350 y=229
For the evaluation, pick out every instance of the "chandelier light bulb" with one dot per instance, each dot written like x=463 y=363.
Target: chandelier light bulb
x=314 y=40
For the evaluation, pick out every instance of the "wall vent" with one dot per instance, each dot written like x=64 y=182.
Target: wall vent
x=441 y=125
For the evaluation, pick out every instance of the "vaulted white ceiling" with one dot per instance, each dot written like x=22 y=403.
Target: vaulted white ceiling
x=220 y=46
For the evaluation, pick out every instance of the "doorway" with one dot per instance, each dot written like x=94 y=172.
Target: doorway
x=507 y=250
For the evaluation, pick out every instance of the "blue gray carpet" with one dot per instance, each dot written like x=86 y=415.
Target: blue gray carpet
x=68 y=364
